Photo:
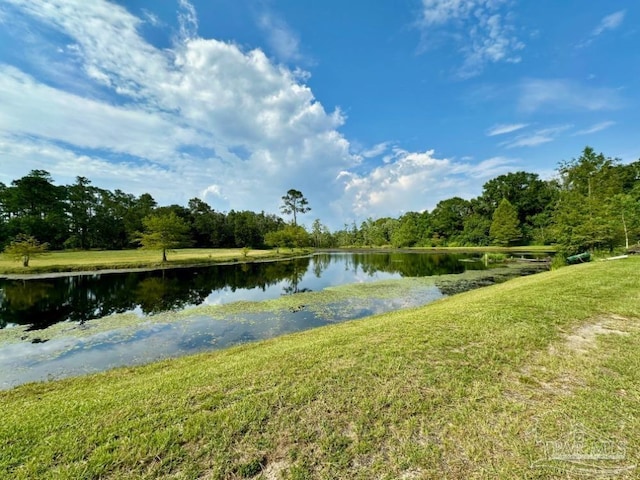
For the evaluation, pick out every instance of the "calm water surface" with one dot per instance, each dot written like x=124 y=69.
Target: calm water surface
x=80 y=303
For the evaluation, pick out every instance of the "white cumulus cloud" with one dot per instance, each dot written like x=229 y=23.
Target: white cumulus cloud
x=206 y=118
x=416 y=181
x=183 y=114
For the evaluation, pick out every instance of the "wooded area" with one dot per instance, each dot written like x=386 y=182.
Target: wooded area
x=593 y=204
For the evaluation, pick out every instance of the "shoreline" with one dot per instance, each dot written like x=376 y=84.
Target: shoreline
x=330 y=306
x=106 y=270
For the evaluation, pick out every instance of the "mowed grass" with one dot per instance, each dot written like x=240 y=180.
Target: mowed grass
x=61 y=261
x=471 y=386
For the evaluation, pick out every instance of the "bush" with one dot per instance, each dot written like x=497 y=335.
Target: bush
x=496 y=257
x=558 y=261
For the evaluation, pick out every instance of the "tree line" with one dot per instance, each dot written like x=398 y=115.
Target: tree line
x=82 y=216
x=594 y=203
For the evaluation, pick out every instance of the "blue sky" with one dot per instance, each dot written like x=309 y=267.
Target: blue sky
x=368 y=108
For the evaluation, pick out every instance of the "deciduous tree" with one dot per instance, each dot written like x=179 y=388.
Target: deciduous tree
x=164 y=232
x=24 y=248
x=290 y=236
x=320 y=234
x=626 y=216
x=447 y=219
x=583 y=218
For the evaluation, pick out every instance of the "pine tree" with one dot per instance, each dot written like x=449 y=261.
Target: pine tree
x=293 y=203
x=505 y=226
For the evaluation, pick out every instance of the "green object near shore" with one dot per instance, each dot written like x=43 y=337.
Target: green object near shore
x=580 y=258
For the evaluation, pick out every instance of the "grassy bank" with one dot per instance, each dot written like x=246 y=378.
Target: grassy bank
x=72 y=261
x=472 y=386
x=92 y=260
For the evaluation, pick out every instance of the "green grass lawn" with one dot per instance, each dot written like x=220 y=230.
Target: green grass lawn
x=107 y=259
x=477 y=385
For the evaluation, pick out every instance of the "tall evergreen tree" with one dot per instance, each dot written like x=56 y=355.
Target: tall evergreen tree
x=293 y=203
x=82 y=201
x=504 y=227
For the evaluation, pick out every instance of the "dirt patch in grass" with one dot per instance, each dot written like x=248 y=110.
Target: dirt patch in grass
x=275 y=470
x=557 y=372
x=585 y=337
x=412 y=474
x=561 y=385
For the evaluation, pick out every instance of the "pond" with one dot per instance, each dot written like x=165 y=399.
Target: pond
x=63 y=326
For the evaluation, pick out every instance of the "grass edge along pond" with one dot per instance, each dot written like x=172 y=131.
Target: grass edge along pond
x=484 y=384
x=94 y=260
